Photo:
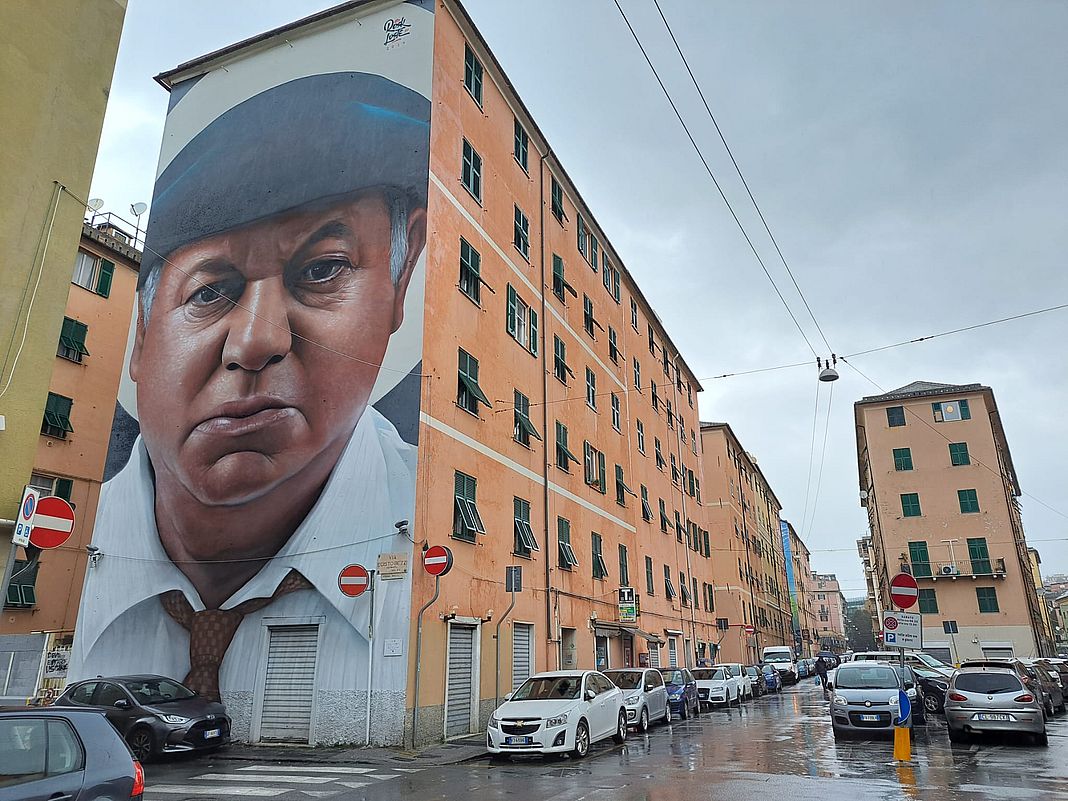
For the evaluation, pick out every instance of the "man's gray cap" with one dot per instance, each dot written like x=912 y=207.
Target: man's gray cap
x=303 y=141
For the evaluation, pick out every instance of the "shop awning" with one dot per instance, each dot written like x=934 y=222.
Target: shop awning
x=653 y=638
x=673 y=632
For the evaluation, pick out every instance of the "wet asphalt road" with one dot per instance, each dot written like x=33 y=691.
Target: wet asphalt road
x=777 y=747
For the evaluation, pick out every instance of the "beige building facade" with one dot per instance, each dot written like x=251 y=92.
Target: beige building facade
x=830 y=613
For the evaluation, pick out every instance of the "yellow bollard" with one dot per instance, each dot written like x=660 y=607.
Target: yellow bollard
x=902 y=743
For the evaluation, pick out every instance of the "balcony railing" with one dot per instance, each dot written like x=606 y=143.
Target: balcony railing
x=973 y=568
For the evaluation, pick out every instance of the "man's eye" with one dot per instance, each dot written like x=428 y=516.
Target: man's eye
x=323 y=270
x=210 y=294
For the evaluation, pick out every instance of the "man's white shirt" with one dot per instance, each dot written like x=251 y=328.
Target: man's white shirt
x=123 y=628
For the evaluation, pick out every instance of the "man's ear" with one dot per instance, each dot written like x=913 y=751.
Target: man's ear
x=139 y=341
x=416 y=243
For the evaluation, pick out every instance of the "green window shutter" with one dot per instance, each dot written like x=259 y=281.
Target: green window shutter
x=103 y=279
x=928 y=602
x=902 y=459
x=64 y=486
x=958 y=454
x=987 y=598
x=80 y=331
x=969 y=501
x=66 y=334
x=920 y=559
x=602 y=481
x=965 y=412
x=979 y=555
x=533 y=332
x=509 y=320
x=910 y=505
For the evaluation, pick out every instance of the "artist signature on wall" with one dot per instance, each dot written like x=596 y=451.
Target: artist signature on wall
x=396 y=29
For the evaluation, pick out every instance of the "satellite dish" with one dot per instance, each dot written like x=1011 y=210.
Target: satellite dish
x=137 y=209
x=95 y=204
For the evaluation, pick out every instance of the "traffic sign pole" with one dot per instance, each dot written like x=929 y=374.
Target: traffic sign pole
x=370 y=648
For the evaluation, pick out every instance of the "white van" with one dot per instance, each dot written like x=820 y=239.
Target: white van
x=782 y=658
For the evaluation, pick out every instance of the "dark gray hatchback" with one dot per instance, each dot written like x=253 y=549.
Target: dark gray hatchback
x=48 y=754
x=154 y=714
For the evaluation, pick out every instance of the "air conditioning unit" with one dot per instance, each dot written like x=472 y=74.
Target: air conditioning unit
x=949 y=570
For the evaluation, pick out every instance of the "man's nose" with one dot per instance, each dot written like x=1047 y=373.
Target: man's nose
x=259 y=333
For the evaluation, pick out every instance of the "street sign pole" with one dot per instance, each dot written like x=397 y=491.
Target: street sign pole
x=437 y=561
x=370 y=649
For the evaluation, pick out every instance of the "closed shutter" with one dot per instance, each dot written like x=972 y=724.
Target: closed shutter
x=997 y=652
x=461 y=684
x=521 y=656
x=654 y=656
x=673 y=653
x=288 y=692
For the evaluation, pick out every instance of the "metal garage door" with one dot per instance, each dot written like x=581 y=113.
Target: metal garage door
x=522 y=633
x=287 y=694
x=461 y=682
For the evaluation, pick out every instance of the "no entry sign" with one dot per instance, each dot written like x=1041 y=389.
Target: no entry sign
x=904 y=591
x=53 y=523
x=437 y=560
x=353 y=580
x=750 y=630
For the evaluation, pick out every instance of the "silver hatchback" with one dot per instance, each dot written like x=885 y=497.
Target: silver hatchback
x=983 y=699
x=865 y=699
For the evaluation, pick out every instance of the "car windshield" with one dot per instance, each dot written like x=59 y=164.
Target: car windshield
x=989 y=683
x=769 y=669
x=709 y=674
x=930 y=661
x=150 y=692
x=752 y=671
x=875 y=677
x=548 y=687
x=674 y=676
x=776 y=658
x=626 y=679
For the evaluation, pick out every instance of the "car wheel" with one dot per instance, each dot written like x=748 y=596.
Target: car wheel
x=1041 y=739
x=838 y=733
x=697 y=708
x=667 y=713
x=956 y=735
x=582 y=740
x=141 y=743
x=643 y=720
x=620 y=736
x=684 y=713
x=930 y=704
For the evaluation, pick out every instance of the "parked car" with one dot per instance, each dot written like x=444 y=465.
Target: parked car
x=865 y=699
x=644 y=696
x=782 y=657
x=914 y=690
x=803 y=669
x=154 y=714
x=756 y=679
x=717 y=687
x=992 y=698
x=934 y=685
x=913 y=658
x=771 y=678
x=1052 y=686
x=72 y=754
x=682 y=692
x=745 y=684
x=1026 y=674
x=558 y=712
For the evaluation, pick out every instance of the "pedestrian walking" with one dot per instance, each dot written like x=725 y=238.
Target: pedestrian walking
x=821 y=674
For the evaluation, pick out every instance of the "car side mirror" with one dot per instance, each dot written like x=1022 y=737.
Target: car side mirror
x=508 y=697
x=122 y=703
x=590 y=695
x=649 y=688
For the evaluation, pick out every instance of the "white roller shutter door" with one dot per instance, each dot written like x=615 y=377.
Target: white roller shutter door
x=290 y=684
x=522 y=656
x=461 y=680
x=654 y=655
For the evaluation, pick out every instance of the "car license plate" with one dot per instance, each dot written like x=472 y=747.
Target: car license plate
x=518 y=740
x=211 y=734
x=870 y=718
x=989 y=716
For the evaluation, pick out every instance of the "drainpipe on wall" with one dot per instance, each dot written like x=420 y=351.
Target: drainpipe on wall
x=551 y=632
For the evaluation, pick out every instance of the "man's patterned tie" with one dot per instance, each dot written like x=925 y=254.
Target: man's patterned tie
x=212 y=630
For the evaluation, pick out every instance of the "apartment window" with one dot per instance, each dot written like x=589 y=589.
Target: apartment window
x=979 y=555
x=624 y=567
x=49 y=485
x=525 y=543
x=969 y=501
x=895 y=416
x=468 y=393
x=669 y=588
x=641 y=436
x=93 y=273
x=928 y=602
x=471 y=175
x=656 y=397
x=560 y=368
x=958 y=454
x=685 y=589
x=600 y=569
x=564 y=456
x=524 y=428
x=664 y=522
x=610 y=276
x=594 y=468
x=556 y=194
x=566 y=558
x=587 y=244
x=670 y=415
x=521 y=321
x=634 y=314
x=707 y=544
x=470 y=271
x=910 y=504
x=637 y=375
x=521 y=233
x=520 y=146
x=588 y=320
x=902 y=458
x=72 y=340
x=987 y=598
x=660 y=463
x=466 y=521
x=591 y=389
x=674 y=471
x=56 y=422
x=647 y=510
x=613 y=345
x=652 y=341
x=616 y=422
x=679 y=531
x=23 y=594
x=650 y=583
x=472 y=75
x=951 y=411
x=622 y=490
x=919 y=559
x=560 y=284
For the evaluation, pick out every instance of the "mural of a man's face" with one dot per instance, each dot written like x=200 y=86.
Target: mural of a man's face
x=236 y=392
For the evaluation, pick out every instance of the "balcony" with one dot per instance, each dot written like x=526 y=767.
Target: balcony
x=961 y=568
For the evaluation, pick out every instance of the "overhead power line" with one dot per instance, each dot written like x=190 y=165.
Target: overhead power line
x=708 y=169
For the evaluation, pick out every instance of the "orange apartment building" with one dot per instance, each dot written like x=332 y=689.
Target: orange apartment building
x=71 y=451
x=829 y=607
x=806 y=597
x=749 y=568
x=937 y=479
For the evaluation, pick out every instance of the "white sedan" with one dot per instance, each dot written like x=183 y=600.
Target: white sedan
x=558 y=712
x=717 y=686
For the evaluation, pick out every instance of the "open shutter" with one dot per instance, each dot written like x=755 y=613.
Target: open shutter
x=103 y=279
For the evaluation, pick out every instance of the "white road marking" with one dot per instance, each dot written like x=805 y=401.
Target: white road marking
x=264 y=777
x=310 y=769
x=354 y=785
x=385 y=776
x=189 y=789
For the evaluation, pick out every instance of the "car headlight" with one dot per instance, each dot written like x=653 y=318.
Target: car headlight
x=632 y=699
x=493 y=722
x=675 y=697
x=559 y=720
x=840 y=700
x=175 y=719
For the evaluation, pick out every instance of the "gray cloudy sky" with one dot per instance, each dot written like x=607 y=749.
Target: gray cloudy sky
x=911 y=159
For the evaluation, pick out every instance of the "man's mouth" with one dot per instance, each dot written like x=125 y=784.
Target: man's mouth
x=246 y=416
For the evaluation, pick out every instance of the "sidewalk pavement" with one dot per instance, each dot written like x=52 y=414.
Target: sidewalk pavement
x=451 y=753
